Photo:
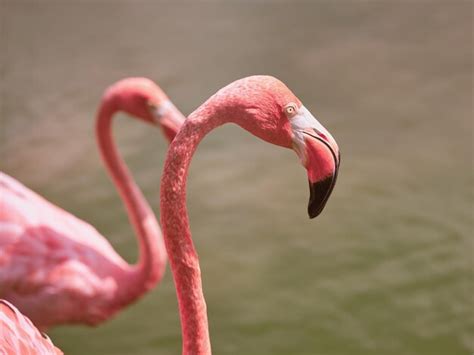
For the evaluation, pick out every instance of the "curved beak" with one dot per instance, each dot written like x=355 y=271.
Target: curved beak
x=319 y=154
x=322 y=166
x=168 y=118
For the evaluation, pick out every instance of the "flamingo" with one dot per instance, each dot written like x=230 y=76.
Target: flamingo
x=18 y=335
x=56 y=268
x=265 y=107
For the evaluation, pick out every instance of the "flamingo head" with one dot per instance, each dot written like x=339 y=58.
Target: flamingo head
x=143 y=99
x=267 y=108
x=318 y=153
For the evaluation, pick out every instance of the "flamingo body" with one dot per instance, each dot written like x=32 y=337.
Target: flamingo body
x=19 y=336
x=58 y=269
x=50 y=260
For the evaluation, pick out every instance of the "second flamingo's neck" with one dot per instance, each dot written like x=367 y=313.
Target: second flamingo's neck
x=152 y=255
x=174 y=219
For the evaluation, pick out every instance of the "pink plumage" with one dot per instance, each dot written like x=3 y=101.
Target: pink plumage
x=58 y=269
x=266 y=108
x=19 y=336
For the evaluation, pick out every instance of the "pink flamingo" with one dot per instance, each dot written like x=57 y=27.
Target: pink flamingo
x=58 y=269
x=19 y=336
x=268 y=109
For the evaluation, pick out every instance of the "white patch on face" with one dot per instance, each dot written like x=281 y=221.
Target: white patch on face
x=160 y=111
x=303 y=120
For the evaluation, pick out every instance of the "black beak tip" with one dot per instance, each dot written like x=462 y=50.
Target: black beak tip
x=318 y=195
x=313 y=213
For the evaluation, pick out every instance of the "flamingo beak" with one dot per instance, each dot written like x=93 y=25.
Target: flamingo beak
x=322 y=166
x=168 y=118
x=319 y=154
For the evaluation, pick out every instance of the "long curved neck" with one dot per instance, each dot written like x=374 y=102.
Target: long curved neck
x=174 y=220
x=152 y=256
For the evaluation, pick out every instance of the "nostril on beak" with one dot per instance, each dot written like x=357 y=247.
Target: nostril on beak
x=319 y=133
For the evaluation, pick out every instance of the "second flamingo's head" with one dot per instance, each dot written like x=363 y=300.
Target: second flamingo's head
x=142 y=98
x=267 y=108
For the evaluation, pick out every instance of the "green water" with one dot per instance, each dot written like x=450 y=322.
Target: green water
x=386 y=269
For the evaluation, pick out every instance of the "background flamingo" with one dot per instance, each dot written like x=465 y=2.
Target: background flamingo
x=58 y=269
x=268 y=109
x=19 y=336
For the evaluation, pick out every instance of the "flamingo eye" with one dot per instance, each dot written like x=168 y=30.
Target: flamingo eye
x=290 y=110
x=151 y=106
x=154 y=109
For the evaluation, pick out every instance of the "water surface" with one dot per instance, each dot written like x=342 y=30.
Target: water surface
x=386 y=269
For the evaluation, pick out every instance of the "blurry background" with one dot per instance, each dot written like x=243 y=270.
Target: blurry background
x=386 y=269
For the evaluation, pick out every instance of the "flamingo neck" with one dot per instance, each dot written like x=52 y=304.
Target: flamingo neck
x=183 y=258
x=152 y=256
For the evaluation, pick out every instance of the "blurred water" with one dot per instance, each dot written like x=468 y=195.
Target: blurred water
x=387 y=268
